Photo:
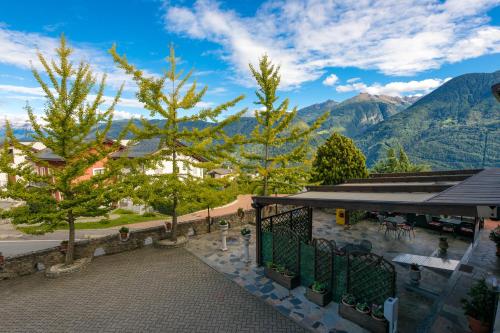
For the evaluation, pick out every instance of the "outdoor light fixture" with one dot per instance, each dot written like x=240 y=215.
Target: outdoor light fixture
x=495 y=89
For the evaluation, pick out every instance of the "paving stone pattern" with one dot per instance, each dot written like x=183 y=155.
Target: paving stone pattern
x=149 y=290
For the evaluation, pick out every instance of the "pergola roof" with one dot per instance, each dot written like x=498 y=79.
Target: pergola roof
x=451 y=193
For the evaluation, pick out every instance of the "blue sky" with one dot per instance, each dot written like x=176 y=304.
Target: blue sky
x=326 y=49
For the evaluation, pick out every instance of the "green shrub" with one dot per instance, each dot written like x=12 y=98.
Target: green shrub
x=337 y=160
x=149 y=214
x=104 y=221
x=124 y=230
x=122 y=211
x=480 y=303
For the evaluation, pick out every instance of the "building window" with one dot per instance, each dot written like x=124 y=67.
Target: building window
x=97 y=171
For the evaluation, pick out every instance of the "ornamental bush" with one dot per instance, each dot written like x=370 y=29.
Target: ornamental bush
x=338 y=159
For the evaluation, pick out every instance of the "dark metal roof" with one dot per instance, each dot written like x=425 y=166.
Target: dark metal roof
x=480 y=189
x=140 y=149
x=451 y=198
x=48 y=155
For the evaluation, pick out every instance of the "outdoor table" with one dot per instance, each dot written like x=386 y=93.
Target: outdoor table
x=450 y=224
x=439 y=265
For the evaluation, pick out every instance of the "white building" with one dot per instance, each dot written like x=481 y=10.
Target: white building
x=149 y=147
x=18 y=158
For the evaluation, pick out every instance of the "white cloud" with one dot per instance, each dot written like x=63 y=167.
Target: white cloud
x=19 y=49
x=330 y=80
x=354 y=79
x=204 y=105
x=28 y=93
x=413 y=88
x=306 y=37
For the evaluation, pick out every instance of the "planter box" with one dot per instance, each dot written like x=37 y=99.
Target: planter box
x=317 y=298
x=285 y=281
x=364 y=320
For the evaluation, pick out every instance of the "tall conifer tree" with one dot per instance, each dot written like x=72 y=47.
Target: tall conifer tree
x=73 y=128
x=282 y=149
x=168 y=98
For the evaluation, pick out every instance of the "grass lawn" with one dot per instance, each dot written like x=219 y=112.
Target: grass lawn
x=124 y=219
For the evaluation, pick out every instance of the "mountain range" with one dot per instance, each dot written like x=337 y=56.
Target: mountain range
x=447 y=128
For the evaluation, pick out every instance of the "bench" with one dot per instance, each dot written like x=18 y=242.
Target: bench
x=439 y=265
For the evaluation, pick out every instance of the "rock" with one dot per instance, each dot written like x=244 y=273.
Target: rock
x=62 y=269
x=169 y=244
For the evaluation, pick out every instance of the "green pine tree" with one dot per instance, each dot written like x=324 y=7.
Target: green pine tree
x=337 y=160
x=274 y=131
x=163 y=97
x=400 y=163
x=74 y=128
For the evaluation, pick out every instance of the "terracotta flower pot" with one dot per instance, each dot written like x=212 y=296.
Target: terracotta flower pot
x=168 y=226
x=2 y=259
x=477 y=326
x=123 y=235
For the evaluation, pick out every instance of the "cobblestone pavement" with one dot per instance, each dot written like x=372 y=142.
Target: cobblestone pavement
x=290 y=303
x=147 y=290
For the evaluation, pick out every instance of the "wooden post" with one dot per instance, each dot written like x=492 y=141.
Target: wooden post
x=258 y=233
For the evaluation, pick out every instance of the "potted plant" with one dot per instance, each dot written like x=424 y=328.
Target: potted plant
x=281 y=275
x=443 y=245
x=246 y=233
x=318 y=294
x=223 y=225
x=378 y=312
x=363 y=307
x=123 y=233
x=63 y=247
x=479 y=307
x=415 y=274
x=360 y=314
x=349 y=300
x=495 y=237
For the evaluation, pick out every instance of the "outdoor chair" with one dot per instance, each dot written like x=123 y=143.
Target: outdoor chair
x=409 y=228
x=381 y=221
x=467 y=228
x=392 y=228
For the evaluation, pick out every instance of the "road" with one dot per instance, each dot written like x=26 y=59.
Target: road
x=13 y=242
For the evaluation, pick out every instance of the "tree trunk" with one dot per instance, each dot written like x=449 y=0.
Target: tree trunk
x=265 y=168
x=71 y=239
x=173 y=234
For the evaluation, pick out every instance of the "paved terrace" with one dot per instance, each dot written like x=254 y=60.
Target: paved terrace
x=144 y=290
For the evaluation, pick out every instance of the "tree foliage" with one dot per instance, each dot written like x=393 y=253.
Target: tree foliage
x=68 y=129
x=276 y=169
x=397 y=163
x=169 y=98
x=338 y=159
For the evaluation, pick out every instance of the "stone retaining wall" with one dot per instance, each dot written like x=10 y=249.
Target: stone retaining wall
x=32 y=262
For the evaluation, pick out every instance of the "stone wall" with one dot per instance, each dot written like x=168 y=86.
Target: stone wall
x=36 y=261
x=32 y=262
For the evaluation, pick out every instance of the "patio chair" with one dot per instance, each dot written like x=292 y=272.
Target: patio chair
x=381 y=222
x=392 y=228
x=409 y=228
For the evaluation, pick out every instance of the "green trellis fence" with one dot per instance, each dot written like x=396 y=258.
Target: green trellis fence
x=287 y=241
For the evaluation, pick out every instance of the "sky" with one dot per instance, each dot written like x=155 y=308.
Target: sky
x=325 y=49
